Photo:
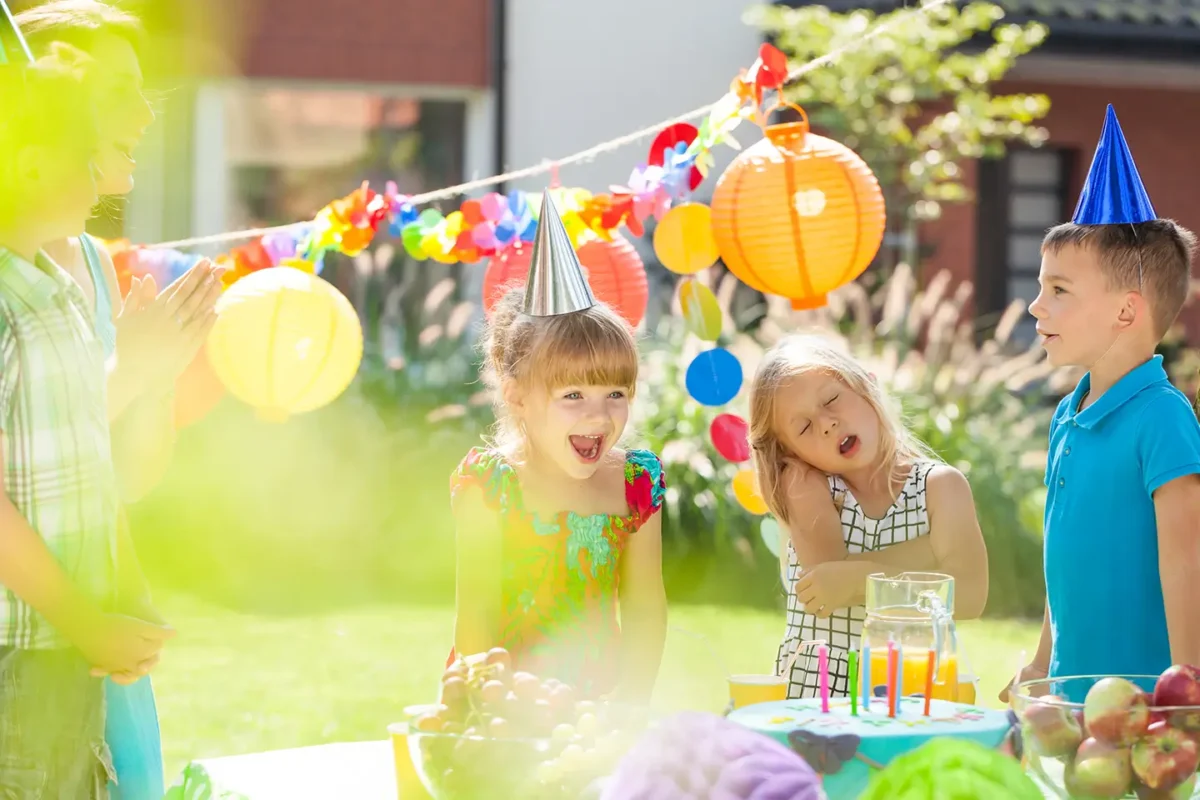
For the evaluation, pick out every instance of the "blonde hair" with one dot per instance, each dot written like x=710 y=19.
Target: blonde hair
x=798 y=355
x=595 y=347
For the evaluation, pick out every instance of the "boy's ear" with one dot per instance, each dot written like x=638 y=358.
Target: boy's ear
x=1135 y=306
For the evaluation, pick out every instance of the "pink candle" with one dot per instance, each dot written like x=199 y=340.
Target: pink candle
x=823 y=676
x=891 y=677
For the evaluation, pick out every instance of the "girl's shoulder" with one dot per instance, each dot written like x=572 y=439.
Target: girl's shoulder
x=645 y=483
x=488 y=471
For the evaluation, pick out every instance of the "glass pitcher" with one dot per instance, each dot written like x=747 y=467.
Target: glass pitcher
x=915 y=611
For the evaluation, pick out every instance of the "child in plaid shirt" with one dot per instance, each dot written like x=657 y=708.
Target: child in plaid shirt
x=58 y=507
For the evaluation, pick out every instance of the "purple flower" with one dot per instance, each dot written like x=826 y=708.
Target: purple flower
x=704 y=756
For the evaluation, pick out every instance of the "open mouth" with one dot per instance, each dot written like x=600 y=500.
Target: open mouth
x=1047 y=338
x=848 y=446
x=588 y=448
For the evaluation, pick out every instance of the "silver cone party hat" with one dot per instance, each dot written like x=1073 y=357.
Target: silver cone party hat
x=556 y=283
x=13 y=47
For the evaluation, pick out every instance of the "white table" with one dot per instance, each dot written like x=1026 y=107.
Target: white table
x=356 y=771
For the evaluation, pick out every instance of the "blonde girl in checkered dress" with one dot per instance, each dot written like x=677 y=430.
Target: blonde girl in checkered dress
x=855 y=493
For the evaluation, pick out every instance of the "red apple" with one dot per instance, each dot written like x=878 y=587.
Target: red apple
x=1165 y=757
x=1180 y=686
x=1100 y=770
x=1116 y=712
x=1181 y=792
x=1051 y=729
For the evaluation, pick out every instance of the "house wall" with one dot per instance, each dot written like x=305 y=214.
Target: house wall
x=1159 y=124
x=576 y=79
x=398 y=47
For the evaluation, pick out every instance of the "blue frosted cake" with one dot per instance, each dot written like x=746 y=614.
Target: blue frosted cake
x=847 y=750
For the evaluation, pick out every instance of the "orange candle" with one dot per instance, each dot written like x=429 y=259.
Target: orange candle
x=891 y=678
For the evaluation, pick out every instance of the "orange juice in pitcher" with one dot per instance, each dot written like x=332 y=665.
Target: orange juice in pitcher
x=913 y=613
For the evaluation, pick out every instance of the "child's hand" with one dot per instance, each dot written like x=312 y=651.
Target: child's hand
x=123 y=645
x=1032 y=672
x=830 y=586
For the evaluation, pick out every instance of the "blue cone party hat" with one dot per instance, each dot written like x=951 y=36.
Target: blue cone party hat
x=13 y=47
x=1113 y=192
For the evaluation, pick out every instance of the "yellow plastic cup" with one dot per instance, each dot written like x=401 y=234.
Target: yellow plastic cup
x=746 y=690
x=408 y=782
x=967 y=688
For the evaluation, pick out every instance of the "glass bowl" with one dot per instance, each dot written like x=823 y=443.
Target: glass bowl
x=468 y=766
x=1125 y=748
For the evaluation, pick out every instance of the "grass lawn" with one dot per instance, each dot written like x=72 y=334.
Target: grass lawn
x=234 y=683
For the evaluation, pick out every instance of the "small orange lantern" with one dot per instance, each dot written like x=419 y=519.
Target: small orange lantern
x=614 y=270
x=797 y=214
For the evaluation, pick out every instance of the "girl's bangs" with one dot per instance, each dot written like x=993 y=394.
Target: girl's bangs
x=585 y=351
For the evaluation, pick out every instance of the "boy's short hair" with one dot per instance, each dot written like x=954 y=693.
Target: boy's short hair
x=77 y=23
x=1160 y=249
x=46 y=104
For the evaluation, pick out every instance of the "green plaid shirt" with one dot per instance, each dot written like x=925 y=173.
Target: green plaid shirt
x=53 y=410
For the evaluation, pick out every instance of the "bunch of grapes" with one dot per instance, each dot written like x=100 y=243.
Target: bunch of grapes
x=505 y=731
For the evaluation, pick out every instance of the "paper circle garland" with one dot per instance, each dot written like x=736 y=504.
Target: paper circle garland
x=683 y=240
x=701 y=311
x=285 y=342
x=614 y=270
x=197 y=391
x=745 y=489
x=714 y=377
x=798 y=215
x=731 y=436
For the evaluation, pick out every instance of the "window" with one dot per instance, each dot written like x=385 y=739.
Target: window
x=290 y=151
x=1020 y=197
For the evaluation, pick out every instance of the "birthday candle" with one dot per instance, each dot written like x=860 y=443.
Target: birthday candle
x=929 y=680
x=891 y=677
x=866 y=677
x=823 y=675
x=899 y=675
x=852 y=682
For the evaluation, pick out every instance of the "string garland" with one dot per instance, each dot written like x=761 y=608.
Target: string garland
x=679 y=159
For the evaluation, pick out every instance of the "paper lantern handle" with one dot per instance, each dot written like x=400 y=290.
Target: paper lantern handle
x=788 y=136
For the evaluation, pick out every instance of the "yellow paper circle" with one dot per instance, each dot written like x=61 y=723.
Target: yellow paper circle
x=683 y=240
x=285 y=342
x=745 y=489
x=701 y=311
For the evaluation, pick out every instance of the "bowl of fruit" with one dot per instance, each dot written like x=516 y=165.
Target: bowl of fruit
x=1133 y=736
x=500 y=733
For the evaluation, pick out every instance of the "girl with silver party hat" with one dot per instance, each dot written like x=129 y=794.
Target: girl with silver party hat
x=555 y=523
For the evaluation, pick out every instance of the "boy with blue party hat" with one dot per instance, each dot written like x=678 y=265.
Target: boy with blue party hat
x=1123 y=475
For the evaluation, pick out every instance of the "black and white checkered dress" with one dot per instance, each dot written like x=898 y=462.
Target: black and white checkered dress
x=906 y=519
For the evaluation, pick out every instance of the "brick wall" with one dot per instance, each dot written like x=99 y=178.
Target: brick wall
x=447 y=42
x=1160 y=126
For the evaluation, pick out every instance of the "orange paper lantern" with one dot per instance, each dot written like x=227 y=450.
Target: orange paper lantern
x=798 y=215
x=614 y=270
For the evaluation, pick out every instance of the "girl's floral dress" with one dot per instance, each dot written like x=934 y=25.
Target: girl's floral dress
x=560 y=576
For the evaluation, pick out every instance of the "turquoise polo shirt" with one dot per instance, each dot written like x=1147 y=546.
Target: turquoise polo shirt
x=1101 y=540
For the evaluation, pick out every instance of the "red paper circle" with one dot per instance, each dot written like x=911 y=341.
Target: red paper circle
x=669 y=137
x=614 y=271
x=731 y=436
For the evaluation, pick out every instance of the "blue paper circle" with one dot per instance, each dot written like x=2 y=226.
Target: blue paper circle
x=714 y=377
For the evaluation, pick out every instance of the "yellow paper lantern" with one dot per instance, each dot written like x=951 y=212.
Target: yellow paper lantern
x=745 y=489
x=683 y=240
x=701 y=311
x=285 y=342
x=798 y=215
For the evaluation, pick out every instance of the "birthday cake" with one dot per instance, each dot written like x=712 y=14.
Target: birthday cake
x=848 y=749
